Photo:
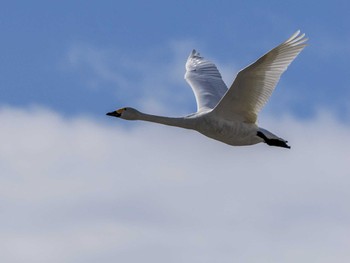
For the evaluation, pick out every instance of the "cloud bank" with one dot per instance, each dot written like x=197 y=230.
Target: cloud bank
x=86 y=190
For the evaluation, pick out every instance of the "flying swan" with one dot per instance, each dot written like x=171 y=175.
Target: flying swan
x=230 y=115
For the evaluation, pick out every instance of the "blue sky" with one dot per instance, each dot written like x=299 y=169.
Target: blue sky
x=39 y=35
x=78 y=186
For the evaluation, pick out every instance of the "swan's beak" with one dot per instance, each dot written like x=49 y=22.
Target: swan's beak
x=114 y=114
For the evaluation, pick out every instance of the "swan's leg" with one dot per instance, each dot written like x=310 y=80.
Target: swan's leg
x=273 y=140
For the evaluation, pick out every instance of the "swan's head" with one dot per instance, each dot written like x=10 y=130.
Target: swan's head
x=125 y=113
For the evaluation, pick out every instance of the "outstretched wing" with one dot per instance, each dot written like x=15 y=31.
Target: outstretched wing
x=205 y=81
x=254 y=85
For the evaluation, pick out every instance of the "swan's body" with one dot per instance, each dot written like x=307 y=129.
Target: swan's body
x=230 y=115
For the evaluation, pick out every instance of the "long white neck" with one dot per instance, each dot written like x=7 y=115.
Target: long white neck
x=183 y=122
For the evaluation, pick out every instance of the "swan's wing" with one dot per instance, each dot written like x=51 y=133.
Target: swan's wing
x=205 y=81
x=254 y=85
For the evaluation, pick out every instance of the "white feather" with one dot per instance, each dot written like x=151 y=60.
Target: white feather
x=205 y=81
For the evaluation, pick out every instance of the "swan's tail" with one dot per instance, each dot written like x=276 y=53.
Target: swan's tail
x=272 y=139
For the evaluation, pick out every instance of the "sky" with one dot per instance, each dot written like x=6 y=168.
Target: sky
x=78 y=186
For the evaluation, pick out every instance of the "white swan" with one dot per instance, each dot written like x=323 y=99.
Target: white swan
x=230 y=115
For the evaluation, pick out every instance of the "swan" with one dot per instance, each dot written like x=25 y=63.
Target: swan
x=230 y=115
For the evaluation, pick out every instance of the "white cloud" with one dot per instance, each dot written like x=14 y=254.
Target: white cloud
x=82 y=190
x=100 y=65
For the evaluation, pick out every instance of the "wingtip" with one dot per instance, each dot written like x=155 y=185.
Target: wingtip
x=297 y=39
x=194 y=53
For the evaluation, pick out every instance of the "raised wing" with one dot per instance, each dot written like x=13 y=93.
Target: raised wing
x=254 y=85
x=205 y=81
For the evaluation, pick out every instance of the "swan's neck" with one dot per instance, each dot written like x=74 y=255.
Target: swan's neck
x=183 y=122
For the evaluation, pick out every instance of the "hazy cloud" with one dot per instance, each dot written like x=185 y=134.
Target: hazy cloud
x=154 y=78
x=82 y=190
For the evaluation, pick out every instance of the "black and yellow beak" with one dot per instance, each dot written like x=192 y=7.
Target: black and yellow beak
x=116 y=113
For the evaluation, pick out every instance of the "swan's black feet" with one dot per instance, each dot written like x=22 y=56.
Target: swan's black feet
x=273 y=142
